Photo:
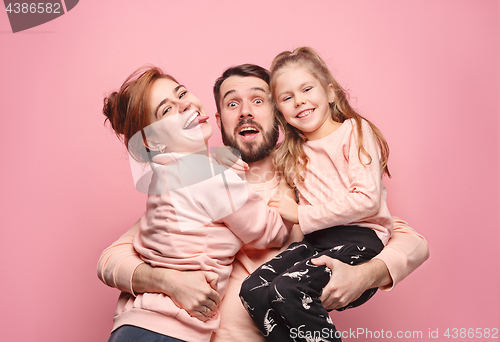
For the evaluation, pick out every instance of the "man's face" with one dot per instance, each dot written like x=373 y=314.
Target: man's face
x=246 y=119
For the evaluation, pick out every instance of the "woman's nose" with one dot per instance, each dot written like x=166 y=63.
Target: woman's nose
x=184 y=106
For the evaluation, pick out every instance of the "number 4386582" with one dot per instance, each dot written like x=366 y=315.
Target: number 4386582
x=471 y=333
x=40 y=7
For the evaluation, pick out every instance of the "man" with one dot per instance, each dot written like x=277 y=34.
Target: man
x=245 y=117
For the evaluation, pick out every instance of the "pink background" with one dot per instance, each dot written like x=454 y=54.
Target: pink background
x=426 y=72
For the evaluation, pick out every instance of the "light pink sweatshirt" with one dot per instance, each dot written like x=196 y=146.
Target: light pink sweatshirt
x=405 y=251
x=199 y=214
x=338 y=189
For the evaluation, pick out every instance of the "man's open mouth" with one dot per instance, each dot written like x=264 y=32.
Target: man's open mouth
x=248 y=132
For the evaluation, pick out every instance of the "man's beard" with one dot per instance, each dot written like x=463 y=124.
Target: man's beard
x=251 y=151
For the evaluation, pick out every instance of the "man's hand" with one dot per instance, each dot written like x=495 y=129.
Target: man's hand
x=284 y=202
x=193 y=291
x=347 y=282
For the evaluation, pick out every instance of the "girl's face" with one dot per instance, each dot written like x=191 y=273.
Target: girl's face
x=178 y=120
x=304 y=102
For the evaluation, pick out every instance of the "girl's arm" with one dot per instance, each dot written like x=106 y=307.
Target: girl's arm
x=121 y=267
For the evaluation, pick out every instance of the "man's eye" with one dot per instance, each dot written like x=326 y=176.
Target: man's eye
x=232 y=104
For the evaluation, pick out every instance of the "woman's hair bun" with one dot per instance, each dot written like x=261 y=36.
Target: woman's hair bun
x=112 y=114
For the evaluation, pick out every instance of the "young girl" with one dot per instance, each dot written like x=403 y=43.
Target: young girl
x=198 y=214
x=335 y=159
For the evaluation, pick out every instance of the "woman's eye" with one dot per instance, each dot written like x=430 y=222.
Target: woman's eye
x=166 y=110
x=181 y=95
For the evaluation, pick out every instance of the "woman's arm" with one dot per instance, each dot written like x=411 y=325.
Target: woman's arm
x=121 y=267
x=405 y=251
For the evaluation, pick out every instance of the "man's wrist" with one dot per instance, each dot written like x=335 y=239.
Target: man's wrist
x=147 y=278
x=376 y=273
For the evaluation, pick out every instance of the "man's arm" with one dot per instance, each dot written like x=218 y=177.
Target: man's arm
x=121 y=267
x=405 y=251
x=118 y=262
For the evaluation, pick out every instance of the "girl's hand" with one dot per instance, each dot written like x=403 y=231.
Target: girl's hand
x=229 y=158
x=284 y=202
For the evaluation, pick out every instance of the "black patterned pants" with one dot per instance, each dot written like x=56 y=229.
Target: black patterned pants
x=282 y=296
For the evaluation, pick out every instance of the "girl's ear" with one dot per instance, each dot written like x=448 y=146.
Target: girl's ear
x=330 y=92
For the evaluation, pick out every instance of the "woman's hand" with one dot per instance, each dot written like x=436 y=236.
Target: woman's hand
x=230 y=158
x=284 y=202
x=193 y=291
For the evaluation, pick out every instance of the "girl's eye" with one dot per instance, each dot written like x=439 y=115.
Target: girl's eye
x=258 y=101
x=286 y=98
x=307 y=89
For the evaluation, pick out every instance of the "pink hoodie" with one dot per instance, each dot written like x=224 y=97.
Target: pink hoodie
x=198 y=216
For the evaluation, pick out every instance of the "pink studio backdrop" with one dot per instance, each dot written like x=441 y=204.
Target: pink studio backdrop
x=426 y=72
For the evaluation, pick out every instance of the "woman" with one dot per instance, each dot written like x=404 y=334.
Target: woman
x=199 y=214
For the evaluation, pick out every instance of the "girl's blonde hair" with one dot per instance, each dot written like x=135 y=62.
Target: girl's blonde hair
x=290 y=157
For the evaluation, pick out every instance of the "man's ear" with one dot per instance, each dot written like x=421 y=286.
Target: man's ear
x=217 y=118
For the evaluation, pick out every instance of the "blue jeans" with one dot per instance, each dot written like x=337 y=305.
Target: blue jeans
x=130 y=333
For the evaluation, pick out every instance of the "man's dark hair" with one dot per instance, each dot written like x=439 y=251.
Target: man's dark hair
x=243 y=70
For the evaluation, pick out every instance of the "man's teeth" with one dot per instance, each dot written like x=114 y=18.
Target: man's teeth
x=307 y=112
x=191 y=119
x=245 y=129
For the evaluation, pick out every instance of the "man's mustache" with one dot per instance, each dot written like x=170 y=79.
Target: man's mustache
x=247 y=122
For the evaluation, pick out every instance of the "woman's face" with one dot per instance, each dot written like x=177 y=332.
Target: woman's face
x=178 y=120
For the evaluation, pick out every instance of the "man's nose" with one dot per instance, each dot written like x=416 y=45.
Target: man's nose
x=245 y=111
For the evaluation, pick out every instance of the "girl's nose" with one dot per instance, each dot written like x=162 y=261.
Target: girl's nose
x=299 y=101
